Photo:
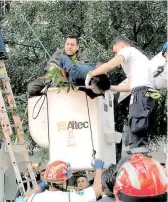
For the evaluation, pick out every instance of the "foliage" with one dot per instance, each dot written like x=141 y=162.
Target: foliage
x=96 y=24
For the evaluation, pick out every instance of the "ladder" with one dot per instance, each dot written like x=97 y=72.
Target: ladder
x=7 y=94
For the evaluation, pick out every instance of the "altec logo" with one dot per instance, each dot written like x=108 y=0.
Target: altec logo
x=74 y=125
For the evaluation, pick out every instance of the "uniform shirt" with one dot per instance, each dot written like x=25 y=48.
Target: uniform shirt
x=86 y=195
x=136 y=67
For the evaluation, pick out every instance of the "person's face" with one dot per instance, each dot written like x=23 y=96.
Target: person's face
x=82 y=183
x=41 y=175
x=71 y=46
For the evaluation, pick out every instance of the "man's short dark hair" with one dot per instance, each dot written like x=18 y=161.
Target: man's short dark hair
x=122 y=39
x=42 y=171
x=74 y=37
x=79 y=177
x=108 y=182
x=102 y=82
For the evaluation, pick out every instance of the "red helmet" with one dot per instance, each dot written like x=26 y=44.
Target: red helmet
x=57 y=171
x=140 y=177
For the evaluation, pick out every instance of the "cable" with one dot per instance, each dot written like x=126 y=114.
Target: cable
x=36 y=35
x=45 y=89
x=94 y=151
x=48 y=122
x=34 y=117
x=45 y=97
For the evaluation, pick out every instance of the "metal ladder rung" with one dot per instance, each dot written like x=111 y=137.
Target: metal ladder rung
x=5 y=92
x=4 y=77
x=20 y=162
x=9 y=109
x=29 y=180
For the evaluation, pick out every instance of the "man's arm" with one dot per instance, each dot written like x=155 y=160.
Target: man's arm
x=104 y=68
x=40 y=188
x=97 y=180
x=121 y=88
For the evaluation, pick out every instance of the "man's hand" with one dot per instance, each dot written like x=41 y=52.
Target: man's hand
x=98 y=164
x=88 y=79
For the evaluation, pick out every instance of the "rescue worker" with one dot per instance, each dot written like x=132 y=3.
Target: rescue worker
x=106 y=190
x=140 y=83
x=160 y=76
x=137 y=178
x=56 y=176
x=74 y=68
x=82 y=182
x=140 y=179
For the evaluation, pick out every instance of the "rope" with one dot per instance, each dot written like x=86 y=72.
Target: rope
x=94 y=151
x=34 y=117
x=48 y=122
x=36 y=35
x=45 y=97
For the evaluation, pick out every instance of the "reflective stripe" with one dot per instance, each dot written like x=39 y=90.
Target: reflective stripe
x=163 y=177
x=155 y=182
x=132 y=175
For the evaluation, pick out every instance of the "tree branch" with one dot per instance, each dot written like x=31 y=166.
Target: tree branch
x=150 y=40
x=31 y=60
x=142 y=22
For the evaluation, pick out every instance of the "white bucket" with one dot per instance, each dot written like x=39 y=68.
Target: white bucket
x=69 y=127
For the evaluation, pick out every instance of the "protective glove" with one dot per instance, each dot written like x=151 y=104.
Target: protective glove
x=43 y=186
x=98 y=164
x=20 y=199
x=88 y=79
